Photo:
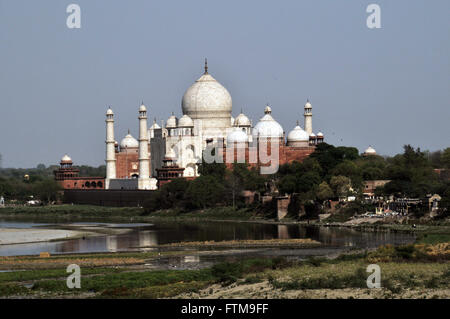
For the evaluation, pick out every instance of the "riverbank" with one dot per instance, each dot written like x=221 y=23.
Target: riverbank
x=59 y=214
x=413 y=271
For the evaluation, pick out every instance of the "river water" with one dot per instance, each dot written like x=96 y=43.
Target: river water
x=137 y=237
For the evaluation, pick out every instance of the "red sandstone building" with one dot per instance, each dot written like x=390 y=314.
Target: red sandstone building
x=68 y=177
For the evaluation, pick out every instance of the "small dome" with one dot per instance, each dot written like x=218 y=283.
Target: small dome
x=185 y=121
x=370 y=150
x=320 y=134
x=109 y=112
x=237 y=135
x=172 y=121
x=267 y=126
x=142 y=108
x=297 y=135
x=155 y=125
x=308 y=105
x=129 y=142
x=66 y=158
x=242 y=120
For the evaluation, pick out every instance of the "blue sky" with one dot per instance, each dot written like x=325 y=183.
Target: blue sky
x=382 y=87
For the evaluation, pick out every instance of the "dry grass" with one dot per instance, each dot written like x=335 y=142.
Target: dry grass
x=49 y=263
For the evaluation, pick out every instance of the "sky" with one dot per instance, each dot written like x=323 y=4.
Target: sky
x=383 y=87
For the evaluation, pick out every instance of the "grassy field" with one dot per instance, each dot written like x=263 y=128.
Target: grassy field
x=407 y=272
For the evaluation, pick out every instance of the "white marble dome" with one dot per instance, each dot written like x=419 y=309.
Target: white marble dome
x=237 y=135
x=142 y=108
x=298 y=135
x=172 y=122
x=267 y=126
x=242 y=120
x=320 y=134
x=206 y=98
x=66 y=158
x=109 y=112
x=129 y=142
x=370 y=150
x=185 y=121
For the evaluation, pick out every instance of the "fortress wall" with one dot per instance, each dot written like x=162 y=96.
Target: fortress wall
x=112 y=198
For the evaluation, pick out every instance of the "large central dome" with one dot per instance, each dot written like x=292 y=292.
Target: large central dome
x=207 y=99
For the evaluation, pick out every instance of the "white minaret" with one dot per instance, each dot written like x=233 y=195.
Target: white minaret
x=144 y=158
x=110 y=148
x=308 y=117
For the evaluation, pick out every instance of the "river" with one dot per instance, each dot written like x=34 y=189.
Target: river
x=136 y=237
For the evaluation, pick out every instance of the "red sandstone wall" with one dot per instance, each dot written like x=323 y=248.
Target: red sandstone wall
x=127 y=164
x=80 y=183
x=286 y=154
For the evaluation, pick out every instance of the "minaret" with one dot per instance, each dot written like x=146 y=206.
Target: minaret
x=144 y=158
x=308 y=117
x=110 y=148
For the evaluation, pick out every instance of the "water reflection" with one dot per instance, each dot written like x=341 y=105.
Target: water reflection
x=144 y=236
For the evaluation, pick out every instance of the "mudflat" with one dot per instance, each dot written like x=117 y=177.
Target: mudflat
x=10 y=236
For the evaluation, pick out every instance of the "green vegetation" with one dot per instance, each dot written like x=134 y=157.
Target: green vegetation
x=333 y=173
x=433 y=238
x=415 y=267
x=330 y=174
x=49 y=273
x=70 y=212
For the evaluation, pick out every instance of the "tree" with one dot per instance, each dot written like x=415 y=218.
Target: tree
x=340 y=185
x=287 y=184
x=47 y=190
x=215 y=169
x=307 y=182
x=445 y=158
x=349 y=169
x=204 y=191
x=324 y=191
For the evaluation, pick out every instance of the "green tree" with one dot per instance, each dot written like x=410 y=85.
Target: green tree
x=324 y=191
x=445 y=158
x=47 y=190
x=205 y=191
x=340 y=185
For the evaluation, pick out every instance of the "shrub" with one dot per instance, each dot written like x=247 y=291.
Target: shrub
x=227 y=273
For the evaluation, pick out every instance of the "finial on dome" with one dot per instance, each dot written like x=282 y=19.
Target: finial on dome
x=268 y=109
x=128 y=131
x=298 y=123
x=206 y=66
